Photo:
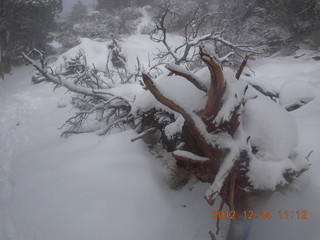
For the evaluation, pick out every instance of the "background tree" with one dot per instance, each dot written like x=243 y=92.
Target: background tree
x=300 y=17
x=112 y=4
x=272 y=23
x=25 y=24
x=117 y=4
x=78 y=12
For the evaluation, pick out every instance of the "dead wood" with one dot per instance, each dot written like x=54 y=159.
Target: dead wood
x=242 y=66
x=217 y=85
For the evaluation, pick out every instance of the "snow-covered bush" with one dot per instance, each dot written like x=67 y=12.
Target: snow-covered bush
x=130 y=18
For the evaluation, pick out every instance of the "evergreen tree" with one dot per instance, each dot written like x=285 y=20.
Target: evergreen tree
x=24 y=25
x=79 y=11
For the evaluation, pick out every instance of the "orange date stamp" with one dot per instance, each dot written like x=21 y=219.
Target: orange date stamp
x=262 y=214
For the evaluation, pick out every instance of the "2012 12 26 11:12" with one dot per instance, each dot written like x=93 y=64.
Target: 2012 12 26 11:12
x=262 y=214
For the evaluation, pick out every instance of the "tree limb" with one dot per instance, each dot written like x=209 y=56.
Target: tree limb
x=217 y=83
x=190 y=118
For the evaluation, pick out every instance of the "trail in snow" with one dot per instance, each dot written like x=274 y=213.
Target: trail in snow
x=12 y=110
x=18 y=130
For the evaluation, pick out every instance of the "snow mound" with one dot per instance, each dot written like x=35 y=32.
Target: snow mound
x=274 y=138
x=297 y=93
x=268 y=174
x=271 y=128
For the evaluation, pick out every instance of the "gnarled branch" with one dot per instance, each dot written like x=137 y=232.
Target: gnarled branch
x=191 y=118
x=217 y=83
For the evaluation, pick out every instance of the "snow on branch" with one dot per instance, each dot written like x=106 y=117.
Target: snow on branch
x=188 y=156
x=109 y=106
x=61 y=80
x=224 y=170
x=194 y=122
x=180 y=71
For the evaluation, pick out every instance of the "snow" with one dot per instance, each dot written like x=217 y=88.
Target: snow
x=56 y=45
x=211 y=51
x=90 y=187
x=266 y=174
x=297 y=93
x=174 y=127
x=89 y=191
x=305 y=193
x=145 y=20
x=84 y=186
x=190 y=155
x=281 y=70
x=271 y=128
x=127 y=91
x=232 y=96
x=176 y=88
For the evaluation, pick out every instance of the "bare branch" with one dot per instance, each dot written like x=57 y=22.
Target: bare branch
x=106 y=129
x=145 y=133
x=61 y=80
x=226 y=57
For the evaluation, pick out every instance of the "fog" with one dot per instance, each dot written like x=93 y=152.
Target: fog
x=67 y=5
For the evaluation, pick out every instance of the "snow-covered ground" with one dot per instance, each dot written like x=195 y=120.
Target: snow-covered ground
x=85 y=186
x=90 y=187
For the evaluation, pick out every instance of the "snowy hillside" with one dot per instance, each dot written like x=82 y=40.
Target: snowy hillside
x=91 y=187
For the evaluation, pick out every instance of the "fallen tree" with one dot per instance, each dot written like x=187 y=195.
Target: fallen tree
x=218 y=128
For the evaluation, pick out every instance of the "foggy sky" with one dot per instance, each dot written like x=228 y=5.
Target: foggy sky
x=67 y=5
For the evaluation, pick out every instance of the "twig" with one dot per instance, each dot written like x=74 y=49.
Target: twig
x=309 y=154
x=141 y=135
